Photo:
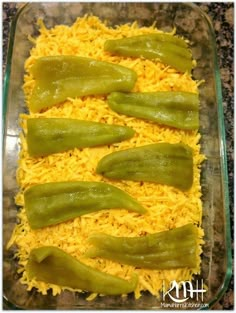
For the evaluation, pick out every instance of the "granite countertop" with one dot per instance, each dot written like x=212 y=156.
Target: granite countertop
x=222 y=17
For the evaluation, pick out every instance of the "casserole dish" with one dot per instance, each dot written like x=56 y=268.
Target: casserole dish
x=191 y=23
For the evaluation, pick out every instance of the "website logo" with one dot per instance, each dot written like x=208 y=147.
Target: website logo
x=180 y=292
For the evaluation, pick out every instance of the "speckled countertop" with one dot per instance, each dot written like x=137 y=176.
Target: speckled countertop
x=222 y=17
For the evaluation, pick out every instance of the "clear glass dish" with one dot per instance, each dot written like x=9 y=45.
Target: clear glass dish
x=194 y=25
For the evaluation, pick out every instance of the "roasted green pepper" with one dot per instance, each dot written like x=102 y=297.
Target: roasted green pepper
x=169 y=49
x=174 y=248
x=53 y=203
x=60 y=77
x=53 y=265
x=175 y=109
x=164 y=163
x=51 y=135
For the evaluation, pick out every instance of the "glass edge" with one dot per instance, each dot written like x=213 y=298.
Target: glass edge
x=224 y=166
x=6 y=304
x=8 y=64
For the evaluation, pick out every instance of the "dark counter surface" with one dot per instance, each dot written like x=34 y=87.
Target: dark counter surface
x=222 y=17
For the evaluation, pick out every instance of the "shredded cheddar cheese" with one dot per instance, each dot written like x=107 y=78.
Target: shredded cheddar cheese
x=167 y=207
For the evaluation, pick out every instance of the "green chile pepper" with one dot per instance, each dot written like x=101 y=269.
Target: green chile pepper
x=169 y=49
x=174 y=248
x=51 y=135
x=175 y=109
x=53 y=265
x=60 y=77
x=164 y=163
x=53 y=203
x=157 y=242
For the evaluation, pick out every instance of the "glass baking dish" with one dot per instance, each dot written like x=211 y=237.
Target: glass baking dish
x=194 y=25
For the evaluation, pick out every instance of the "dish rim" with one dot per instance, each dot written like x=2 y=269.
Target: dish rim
x=220 y=120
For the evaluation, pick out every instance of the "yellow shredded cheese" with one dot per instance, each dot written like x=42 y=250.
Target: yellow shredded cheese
x=167 y=207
